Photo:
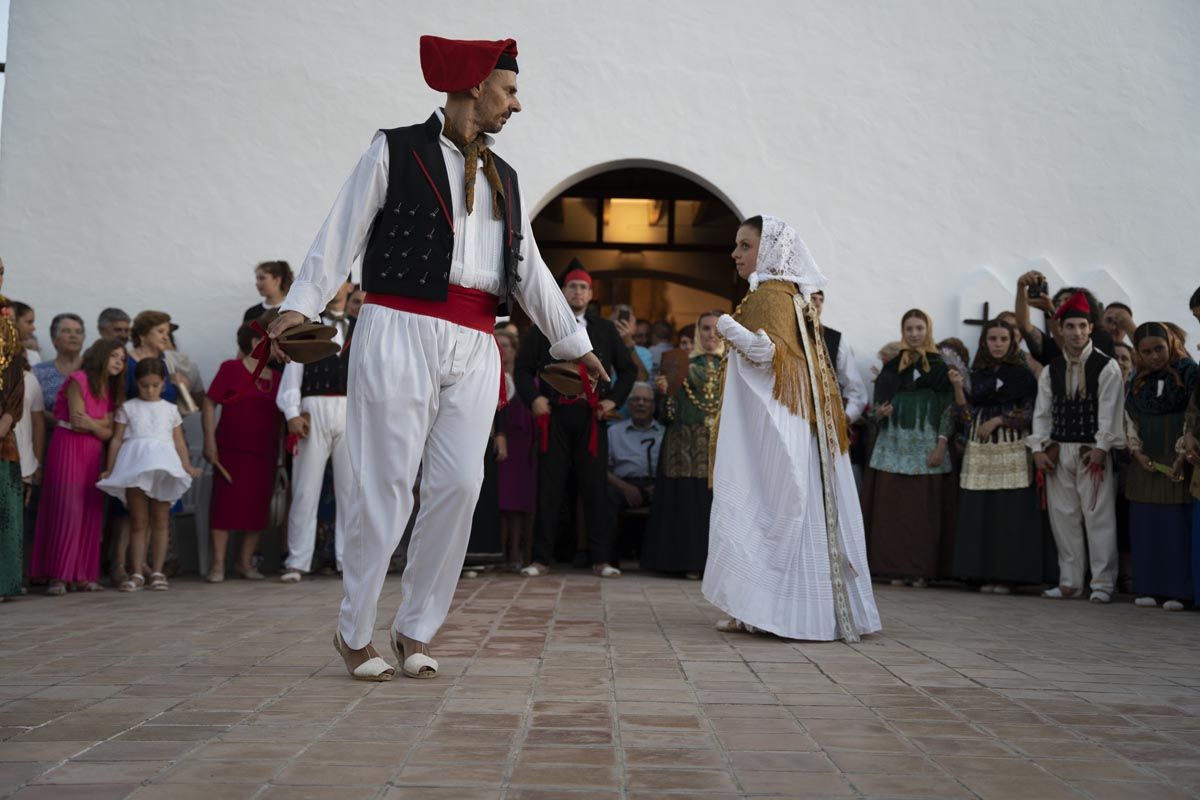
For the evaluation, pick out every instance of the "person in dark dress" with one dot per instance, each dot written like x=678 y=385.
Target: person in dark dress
x=573 y=435
x=517 y=471
x=677 y=531
x=1001 y=528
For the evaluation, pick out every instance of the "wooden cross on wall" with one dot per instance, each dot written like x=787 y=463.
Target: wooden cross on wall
x=980 y=322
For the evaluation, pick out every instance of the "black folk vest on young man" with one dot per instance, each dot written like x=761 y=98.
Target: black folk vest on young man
x=833 y=340
x=328 y=376
x=1076 y=419
x=411 y=244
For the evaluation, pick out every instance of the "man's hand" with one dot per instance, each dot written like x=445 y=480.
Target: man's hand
x=885 y=410
x=1043 y=462
x=594 y=367
x=298 y=425
x=6 y=424
x=288 y=319
x=1096 y=456
x=605 y=408
x=956 y=378
x=540 y=407
x=501 y=443
x=660 y=384
x=1143 y=460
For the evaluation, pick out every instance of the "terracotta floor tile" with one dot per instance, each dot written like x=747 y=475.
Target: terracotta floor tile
x=792 y=742
x=679 y=779
x=566 y=776
x=210 y=771
x=195 y=791
x=865 y=763
x=933 y=787
x=804 y=784
x=785 y=762
x=582 y=756
x=334 y=775
x=674 y=758
x=486 y=775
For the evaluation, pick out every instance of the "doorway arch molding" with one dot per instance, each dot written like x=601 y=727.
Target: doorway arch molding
x=628 y=163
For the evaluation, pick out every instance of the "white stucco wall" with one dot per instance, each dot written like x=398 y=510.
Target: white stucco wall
x=154 y=151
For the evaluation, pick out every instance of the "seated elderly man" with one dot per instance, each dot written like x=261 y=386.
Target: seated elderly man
x=633 y=446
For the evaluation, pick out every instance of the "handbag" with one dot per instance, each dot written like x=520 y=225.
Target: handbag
x=1002 y=464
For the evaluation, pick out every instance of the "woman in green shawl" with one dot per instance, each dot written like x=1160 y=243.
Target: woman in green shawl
x=909 y=494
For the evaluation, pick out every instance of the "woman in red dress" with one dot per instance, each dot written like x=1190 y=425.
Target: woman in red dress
x=243 y=449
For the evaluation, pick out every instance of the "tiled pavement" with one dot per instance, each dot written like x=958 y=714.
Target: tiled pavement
x=564 y=687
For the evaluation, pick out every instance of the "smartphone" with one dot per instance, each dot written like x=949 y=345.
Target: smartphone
x=1039 y=290
x=624 y=315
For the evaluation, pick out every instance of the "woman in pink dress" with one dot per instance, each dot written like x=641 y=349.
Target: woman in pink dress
x=243 y=449
x=70 y=520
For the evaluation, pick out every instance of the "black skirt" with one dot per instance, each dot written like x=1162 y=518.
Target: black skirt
x=1000 y=536
x=677 y=532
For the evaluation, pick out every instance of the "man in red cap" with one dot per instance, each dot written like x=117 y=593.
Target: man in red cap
x=573 y=433
x=440 y=225
x=1077 y=420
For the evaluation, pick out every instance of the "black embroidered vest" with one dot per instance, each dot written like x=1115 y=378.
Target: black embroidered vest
x=328 y=376
x=833 y=340
x=1076 y=419
x=411 y=244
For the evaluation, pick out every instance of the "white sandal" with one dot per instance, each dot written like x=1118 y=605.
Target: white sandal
x=734 y=625
x=133 y=583
x=418 y=665
x=534 y=570
x=373 y=669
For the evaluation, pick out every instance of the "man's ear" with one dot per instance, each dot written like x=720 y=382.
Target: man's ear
x=476 y=91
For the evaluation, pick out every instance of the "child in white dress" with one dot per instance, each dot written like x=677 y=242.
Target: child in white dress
x=148 y=469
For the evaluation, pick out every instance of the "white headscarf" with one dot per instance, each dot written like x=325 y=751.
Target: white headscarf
x=783 y=256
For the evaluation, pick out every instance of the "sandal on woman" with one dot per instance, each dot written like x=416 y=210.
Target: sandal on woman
x=158 y=582
x=535 y=570
x=56 y=589
x=373 y=669
x=132 y=583
x=418 y=665
x=734 y=625
x=88 y=586
x=249 y=573
x=215 y=574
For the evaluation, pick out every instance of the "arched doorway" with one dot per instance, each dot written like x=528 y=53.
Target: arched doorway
x=653 y=238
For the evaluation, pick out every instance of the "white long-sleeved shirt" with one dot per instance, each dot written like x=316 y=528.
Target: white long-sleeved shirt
x=287 y=399
x=475 y=262
x=1110 y=432
x=850 y=381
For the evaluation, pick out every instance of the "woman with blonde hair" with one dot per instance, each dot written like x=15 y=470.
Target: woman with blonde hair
x=909 y=493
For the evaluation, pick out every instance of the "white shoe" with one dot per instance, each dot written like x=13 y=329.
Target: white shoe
x=1100 y=596
x=1057 y=593
x=1000 y=588
x=1146 y=602
x=1172 y=605
x=896 y=582
x=534 y=570
x=606 y=571
x=418 y=665
x=290 y=576
x=920 y=583
x=987 y=588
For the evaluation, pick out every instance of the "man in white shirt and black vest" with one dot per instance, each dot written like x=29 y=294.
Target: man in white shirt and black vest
x=572 y=434
x=312 y=398
x=1077 y=421
x=443 y=233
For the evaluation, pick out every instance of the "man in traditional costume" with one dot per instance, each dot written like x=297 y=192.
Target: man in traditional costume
x=312 y=398
x=841 y=355
x=572 y=431
x=787 y=551
x=1077 y=419
x=441 y=227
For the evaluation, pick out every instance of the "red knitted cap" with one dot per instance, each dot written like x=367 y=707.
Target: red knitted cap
x=455 y=65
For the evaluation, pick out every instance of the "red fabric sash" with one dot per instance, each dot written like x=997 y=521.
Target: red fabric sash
x=593 y=401
x=261 y=354
x=470 y=308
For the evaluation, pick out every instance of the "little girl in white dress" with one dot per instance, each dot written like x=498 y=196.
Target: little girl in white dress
x=148 y=469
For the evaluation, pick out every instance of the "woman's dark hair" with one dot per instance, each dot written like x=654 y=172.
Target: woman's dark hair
x=246 y=335
x=150 y=366
x=20 y=309
x=755 y=222
x=280 y=270
x=983 y=355
x=689 y=331
x=1156 y=330
x=1195 y=301
x=145 y=322
x=1121 y=305
x=95 y=365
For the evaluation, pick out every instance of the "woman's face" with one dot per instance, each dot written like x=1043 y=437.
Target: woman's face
x=507 y=353
x=1125 y=361
x=266 y=283
x=745 y=251
x=998 y=342
x=1155 y=353
x=706 y=330
x=157 y=339
x=25 y=326
x=69 y=340
x=150 y=388
x=116 y=362
x=915 y=332
x=685 y=343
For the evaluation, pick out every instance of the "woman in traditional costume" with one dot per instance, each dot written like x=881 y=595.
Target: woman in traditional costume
x=909 y=494
x=1160 y=503
x=1001 y=528
x=786 y=548
x=677 y=531
x=12 y=489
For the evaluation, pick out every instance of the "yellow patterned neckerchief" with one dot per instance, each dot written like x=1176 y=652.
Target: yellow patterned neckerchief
x=473 y=152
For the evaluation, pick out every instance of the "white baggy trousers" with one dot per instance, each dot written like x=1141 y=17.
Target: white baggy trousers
x=326 y=437
x=421 y=390
x=1069 y=495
